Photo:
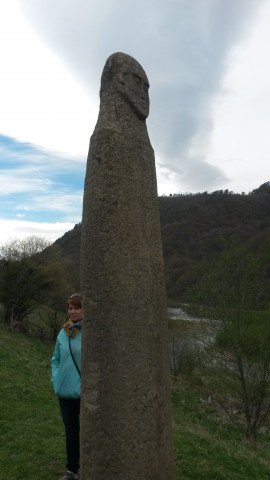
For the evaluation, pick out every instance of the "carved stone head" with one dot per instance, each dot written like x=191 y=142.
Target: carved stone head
x=124 y=76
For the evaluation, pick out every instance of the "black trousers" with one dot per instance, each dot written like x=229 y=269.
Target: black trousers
x=70 y=411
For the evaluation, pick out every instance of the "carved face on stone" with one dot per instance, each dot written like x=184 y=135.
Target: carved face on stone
x=123 y=75
x=134 y=86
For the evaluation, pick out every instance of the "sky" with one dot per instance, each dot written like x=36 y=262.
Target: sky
x=208 y=65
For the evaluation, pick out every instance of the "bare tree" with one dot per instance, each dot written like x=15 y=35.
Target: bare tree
x=17 y=249
x=240 y=357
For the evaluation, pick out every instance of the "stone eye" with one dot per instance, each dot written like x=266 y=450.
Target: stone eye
x=137 y=79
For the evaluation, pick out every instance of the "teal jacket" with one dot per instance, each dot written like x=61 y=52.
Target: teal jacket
x=65 y=377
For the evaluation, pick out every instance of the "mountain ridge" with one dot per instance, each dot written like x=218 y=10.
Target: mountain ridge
x=196 y=229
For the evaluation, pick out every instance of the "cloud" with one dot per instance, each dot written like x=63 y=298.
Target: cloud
x=11 y=183
x=11 y=229
x=185 y=49
x=40 y=99
x=196 y=175
x=36 y=183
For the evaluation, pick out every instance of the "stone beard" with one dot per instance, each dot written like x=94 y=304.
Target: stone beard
x=125 y=407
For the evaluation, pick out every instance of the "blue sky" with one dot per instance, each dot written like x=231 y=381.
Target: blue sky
x=41 y=191
x=36 y=183
x=209 y=71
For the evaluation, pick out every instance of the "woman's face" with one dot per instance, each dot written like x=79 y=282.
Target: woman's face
x=74 y=313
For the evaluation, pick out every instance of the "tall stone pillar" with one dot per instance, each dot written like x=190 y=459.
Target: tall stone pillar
x=125 y=405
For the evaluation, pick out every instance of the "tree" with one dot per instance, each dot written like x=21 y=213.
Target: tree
x=31 y=275
x=63 y=284
x=22 y=285
x=240 y=356
x=17 y=249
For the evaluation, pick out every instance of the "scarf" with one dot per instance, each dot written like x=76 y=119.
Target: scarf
x=72 y=328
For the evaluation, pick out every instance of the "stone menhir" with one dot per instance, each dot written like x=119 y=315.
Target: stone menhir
x=125 y=404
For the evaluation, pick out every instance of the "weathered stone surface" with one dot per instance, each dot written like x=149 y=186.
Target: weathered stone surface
x=125 y=418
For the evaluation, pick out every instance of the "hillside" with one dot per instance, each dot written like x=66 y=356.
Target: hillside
x=196 y=229
x=206 y=445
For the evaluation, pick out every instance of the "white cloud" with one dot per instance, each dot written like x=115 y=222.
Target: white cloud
x=40 y=100
x=209 y=92
x=16 y=229
x=184 y=47
x=240 y=143
x=11 y=183
x=37 y=184
x=69 y=205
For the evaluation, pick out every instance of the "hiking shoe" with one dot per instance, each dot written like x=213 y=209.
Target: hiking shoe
x=70 y=476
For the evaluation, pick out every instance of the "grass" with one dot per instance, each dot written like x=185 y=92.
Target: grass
x=208 y=447
x=32 y=440
x=31 y=434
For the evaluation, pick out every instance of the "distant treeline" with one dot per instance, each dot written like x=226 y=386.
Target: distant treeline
x=196 y=229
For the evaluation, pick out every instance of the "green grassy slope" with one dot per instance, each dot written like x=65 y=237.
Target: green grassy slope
x=31 y=434
x=32 y=437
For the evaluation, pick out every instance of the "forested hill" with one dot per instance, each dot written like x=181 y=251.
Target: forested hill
x=196 y=229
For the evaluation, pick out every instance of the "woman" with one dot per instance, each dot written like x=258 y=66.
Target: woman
x=66 y=379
